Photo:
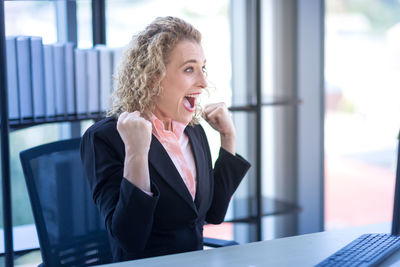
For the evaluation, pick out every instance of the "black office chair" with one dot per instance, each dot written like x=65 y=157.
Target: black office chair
x=70 y=229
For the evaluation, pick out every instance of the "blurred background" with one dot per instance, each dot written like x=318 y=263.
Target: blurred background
x=362 y=67
x=359 y=84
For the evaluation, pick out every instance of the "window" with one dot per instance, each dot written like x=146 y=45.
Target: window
x=361 y=89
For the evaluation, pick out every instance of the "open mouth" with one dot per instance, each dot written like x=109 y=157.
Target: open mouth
x=189 y=102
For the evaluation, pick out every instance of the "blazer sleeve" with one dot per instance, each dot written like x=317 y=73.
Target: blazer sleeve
x=128 y=211
x=228 y=172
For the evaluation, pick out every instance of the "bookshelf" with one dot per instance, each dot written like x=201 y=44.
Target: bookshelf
x=260 y=206
x=20 y=122
x=57 y=82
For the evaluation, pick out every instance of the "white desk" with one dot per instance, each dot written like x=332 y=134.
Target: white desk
x=303 y=250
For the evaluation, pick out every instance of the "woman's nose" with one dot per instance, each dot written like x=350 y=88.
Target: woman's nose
x=202 y=80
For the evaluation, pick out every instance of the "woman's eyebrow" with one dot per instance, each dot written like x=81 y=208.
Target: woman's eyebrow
x=191 y=61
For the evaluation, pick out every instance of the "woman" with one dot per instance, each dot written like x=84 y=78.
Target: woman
x=149 y=164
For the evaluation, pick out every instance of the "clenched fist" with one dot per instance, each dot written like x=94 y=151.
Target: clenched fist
x=218 y=116
x=135 y=132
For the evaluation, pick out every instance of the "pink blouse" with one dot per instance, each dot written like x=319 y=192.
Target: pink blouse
x=176 y=143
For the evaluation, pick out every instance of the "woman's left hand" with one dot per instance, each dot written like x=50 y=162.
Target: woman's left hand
x=218 y=116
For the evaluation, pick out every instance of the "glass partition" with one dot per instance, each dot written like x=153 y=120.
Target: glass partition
x=362 y=62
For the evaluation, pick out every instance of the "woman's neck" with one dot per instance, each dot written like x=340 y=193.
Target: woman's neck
x=165 y=120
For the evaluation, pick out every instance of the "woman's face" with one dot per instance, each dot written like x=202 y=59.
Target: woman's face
x=183 y=83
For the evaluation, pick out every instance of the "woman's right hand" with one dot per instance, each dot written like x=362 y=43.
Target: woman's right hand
x=135 y=132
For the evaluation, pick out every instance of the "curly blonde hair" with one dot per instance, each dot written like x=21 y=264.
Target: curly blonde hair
x=144 y=65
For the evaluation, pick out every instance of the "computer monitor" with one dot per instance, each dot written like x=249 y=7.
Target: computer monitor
x=396 y=205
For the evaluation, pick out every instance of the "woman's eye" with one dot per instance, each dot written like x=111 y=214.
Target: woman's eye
x=191 y=69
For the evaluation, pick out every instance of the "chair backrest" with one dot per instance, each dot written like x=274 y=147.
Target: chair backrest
x=70 y=229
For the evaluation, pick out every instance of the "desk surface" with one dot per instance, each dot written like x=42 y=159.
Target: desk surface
x=303 y=250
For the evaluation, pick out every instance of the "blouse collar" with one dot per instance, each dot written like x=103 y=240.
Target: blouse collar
x=159 y=129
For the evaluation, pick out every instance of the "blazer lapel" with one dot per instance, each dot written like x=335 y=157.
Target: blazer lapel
x=202 y=170
x=160 y=160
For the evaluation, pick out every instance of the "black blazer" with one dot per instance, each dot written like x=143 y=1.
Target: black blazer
x=168 y=222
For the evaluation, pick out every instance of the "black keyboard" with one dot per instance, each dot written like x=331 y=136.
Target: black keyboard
x=367 y=250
